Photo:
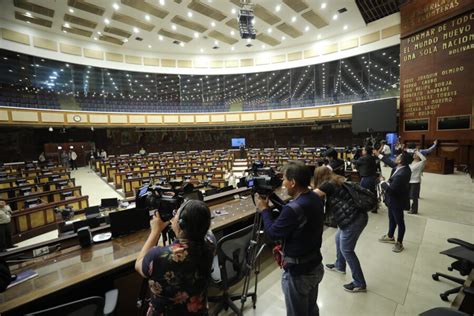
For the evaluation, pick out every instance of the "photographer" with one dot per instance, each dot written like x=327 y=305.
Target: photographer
x=335 y=164
x=350 y=221
x=367 y=168
x=299 y=226
x=179 y=274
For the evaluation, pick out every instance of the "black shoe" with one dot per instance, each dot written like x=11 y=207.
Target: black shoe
x=332 y=267
x=13 y=277
x=354 y=289
x=412 y=212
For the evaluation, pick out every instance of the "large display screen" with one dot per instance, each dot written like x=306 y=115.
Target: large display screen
x=236 y=142
x=375 y=116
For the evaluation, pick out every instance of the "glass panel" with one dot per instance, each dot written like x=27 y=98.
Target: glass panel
x=416 y=125
x=234 y=90
x=302 y=86
x=279 y=89
x=257 y=91
x=454 y=122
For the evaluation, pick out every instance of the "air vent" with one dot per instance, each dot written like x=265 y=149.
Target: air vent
x=215 y=47
x=342 y=10
x=139 y=38
x=176 y=42
x=249 y=45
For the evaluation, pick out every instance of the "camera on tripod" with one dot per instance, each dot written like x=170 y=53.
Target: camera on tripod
x=166 y=199
x=262 y=180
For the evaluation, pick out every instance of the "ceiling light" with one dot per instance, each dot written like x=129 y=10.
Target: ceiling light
x=95 y=38
x=125 y=40
x=106 y=21
x=181 y=44
x=213 y=23
x=283 y=38
x=293 y=19
x=278 y=8
x=147 y=17
x=160 y=37
x=115 y=6
x=232 y=32
x=28 y=14
x=269 y=30
x=234 y=11
x=345 y=27
x=51 y=129
x=71 y=10
x=323 y=5
x=67 y=25
x=196 y=34
x=136 y=30
x=173 y=27
x=190 y=14
x=162 y=2
x=334 y=17
x=248 y=40
x=149 y=46
x=99 y=33
x=306 y=29
x=216 y=43
x=201 y=50
x=263 y=46
x=232 y=48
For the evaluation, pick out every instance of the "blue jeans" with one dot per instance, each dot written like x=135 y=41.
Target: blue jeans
x=301 y=292
x=346 y=240
x=369 y=183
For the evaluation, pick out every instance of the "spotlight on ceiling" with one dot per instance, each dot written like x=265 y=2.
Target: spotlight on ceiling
x=50 y=129
x=246 y=20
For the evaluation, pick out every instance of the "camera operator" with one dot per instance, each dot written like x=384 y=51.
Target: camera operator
x=367 y=168
x=335 y=164
x=179 y=274
x=299 y=226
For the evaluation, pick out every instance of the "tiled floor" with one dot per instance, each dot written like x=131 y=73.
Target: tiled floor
x=398 y=284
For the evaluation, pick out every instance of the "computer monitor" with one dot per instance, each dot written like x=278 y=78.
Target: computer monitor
x=66 y=195
x=32 y=202
x=128 y=221
x=25 y=190
x=92 y=211
x=109 y=202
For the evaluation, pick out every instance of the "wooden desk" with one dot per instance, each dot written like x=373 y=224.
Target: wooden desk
x=69 y=267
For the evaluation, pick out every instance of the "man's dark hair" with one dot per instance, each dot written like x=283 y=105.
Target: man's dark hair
x=331 y=152
x=369 y=150
x=406 y=158
x=298 y=171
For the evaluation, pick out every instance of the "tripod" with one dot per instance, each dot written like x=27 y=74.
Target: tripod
x=254 y=250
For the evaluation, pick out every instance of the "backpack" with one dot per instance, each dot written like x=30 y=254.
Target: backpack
x=364 y=199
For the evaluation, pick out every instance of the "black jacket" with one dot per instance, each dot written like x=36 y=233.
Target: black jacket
x=339 y=202
x=366 y=165
x=337 y=166
x=397 y=187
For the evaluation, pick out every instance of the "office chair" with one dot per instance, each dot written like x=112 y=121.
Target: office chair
x=464 y=255
x=443 y=311
x=90 y=306
x=232 y=255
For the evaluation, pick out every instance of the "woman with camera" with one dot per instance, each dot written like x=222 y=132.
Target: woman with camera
x=350 y=222
x=178 y=274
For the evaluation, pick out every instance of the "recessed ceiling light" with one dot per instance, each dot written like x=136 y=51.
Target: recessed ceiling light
x=234 y=11
x=319 y=36
x=278 y=8
x=30 y=23
x=162 y=2
x=269 y=30
x=147 y=17
x=306 y=29
x=232 y=32
x=248 y=40
x=115 y=6
x=232 y=48
x=100 y=33
x=293 y=19
x=283 y=38
x=160 y=37
x=149 y=46
x=173 y=27
x=213 y=23
x=181 y=44
x=263 y=46
x=71 y=10
x=190 y=14
x=106 y=21
x=95 y=38
x=125 y=40
x=345 y=27
x=323 y=5
x=216 y=43
x=334 y=17
x=28 y=14
x=196 y=34
x=136 y=30
x=67 y=25
x=201 y=50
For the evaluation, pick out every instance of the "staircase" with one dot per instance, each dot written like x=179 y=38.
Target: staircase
x=239 y=166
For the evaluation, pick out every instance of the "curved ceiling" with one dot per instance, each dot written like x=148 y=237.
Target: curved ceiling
x=188 y=26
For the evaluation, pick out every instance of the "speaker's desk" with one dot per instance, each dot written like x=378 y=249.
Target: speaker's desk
x=66 y=269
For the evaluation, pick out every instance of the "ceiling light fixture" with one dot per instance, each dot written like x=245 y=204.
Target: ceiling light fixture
x=147 y=17
x=269 y=30
x=160 y=37
x=149 y=46
x=28 y=14
x=323 y=5
x=293 y=19
x=234 y=11
x=232 y=32
x=196 y=35
x=181 y=44
x=306 y=29
x=345 y=27
x=278 y=8
x=115 y=6
x=283 y=38
x=162 y=2
x=125 y=40
x=67 y=25
x=106 y=21
x=71 y=10
x=136 y=30
x=190 y=14
x=173 y=27
x=201 y=50
x=334 y=17
x=232 y=48
x=213 y=23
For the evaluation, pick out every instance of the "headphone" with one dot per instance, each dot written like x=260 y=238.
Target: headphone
x=181 y=211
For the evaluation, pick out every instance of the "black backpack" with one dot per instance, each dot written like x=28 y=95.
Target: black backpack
x=364 y=199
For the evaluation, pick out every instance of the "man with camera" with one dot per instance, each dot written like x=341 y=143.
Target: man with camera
x=367 y=168
x=299 y=227
x=335 y=164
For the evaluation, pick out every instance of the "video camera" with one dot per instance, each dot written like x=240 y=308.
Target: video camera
x=166 y=199
x=263 y=181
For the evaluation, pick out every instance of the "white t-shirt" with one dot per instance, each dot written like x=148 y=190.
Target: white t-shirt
x=386 y=150
x=417 y=168
x=73 y=155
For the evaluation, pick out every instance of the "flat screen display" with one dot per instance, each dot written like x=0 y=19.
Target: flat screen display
x=374 y=116
x=110 y=202
x=236 y=142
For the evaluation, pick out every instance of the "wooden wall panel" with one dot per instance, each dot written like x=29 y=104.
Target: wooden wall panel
x=15 y=36
x=70 y=49
x=45 y=43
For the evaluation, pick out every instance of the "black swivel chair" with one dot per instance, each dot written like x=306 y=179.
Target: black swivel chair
x=464 y=255
x=232 y=258
x=90 y=306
